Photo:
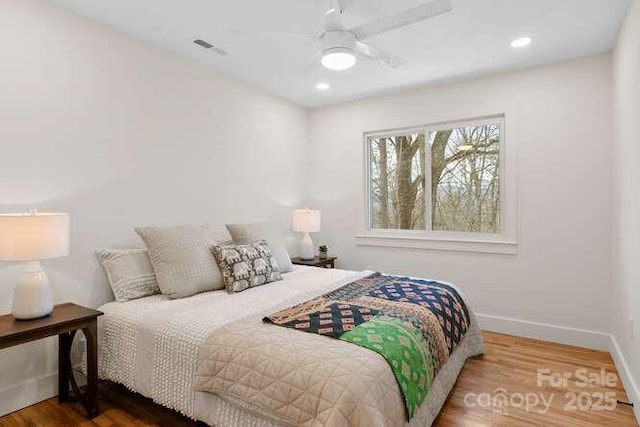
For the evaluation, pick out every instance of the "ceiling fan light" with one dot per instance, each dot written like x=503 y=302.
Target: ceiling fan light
x=338 y=58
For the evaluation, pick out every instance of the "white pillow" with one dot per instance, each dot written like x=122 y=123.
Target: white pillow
x=247 y=233
x=129 y=272
x=182 y=259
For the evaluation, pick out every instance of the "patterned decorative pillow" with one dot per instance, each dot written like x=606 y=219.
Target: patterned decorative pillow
x=252 y=232
x=246 y=266
x=129 y=272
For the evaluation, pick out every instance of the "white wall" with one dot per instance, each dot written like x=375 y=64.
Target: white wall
x=626 y=302
x=119 y=133
x=558 y=121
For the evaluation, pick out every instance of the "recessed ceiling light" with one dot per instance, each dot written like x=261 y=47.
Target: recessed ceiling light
x=521 y=42
x=338 y=58
x=322 y=86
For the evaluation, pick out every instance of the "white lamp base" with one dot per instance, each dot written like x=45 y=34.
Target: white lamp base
x=32 y=296
x=307 y=250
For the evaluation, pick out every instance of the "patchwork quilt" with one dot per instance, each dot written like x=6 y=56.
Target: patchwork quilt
x=413 y=324
x=405 y=331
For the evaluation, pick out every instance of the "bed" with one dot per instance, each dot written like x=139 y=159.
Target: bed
x=153 y=346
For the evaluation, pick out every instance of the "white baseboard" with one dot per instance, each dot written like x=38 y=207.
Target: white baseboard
x=570 y=336
x=546 y=332
x=630 y=386
x=28 y=393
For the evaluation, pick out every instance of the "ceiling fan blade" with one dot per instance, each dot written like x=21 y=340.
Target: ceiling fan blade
x=376 y=54
x=406 y=17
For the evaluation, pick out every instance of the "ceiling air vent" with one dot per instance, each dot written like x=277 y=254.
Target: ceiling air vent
x=205 y=44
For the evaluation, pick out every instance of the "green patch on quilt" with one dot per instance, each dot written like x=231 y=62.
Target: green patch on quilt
x=404 y=348
x=415 y=324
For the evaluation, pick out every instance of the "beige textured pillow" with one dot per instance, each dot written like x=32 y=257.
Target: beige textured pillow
x=130 y=273
x=247 y=233
x=182 y=259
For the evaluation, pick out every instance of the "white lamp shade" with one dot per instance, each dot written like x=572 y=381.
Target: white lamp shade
x=30 y=237
x=306 y=220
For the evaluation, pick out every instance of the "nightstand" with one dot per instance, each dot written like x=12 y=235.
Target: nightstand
x=64 y=321
x=328 y=262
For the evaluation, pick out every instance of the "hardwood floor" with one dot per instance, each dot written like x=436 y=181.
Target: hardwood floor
x=512 y=363
x=509 y=368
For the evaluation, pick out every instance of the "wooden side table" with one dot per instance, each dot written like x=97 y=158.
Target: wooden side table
x=64 y=321
x=328 y=262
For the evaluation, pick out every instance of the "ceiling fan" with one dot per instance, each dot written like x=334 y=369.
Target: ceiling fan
x=340 y=46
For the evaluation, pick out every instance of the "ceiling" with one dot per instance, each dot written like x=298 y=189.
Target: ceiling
x=472 y=40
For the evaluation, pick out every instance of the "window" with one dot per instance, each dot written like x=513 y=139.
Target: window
x=438 y=182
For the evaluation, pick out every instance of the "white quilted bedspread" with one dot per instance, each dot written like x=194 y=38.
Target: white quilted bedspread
x=305 y=379
x=151 y=344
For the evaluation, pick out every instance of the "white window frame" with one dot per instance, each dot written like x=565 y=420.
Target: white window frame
x=504 y=242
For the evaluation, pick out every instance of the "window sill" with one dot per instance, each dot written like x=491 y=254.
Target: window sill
x=438 y=244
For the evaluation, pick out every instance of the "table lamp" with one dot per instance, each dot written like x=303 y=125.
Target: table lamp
x=32 y=237
x=306 y=221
